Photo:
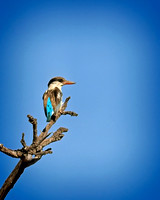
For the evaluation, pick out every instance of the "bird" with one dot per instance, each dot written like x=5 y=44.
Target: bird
x=52 y=97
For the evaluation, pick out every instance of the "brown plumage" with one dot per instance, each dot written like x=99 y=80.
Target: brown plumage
x=58 y=78
x=55 y=97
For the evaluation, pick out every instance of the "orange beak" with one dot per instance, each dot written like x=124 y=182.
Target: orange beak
x=68 y=83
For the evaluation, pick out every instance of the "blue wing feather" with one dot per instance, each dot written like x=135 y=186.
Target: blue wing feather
x=49 y=109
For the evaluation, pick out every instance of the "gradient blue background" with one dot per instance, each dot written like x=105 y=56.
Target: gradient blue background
x=112 y=50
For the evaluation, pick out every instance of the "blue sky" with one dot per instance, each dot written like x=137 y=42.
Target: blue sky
x=111 y=49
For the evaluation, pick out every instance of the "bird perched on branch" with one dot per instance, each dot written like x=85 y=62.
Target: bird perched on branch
x=52 y=98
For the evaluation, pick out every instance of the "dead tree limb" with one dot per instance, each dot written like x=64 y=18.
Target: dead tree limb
x=29 y=155
x=10 y=152
x=34 y=122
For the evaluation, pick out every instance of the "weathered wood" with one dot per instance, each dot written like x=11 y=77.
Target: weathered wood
x=33 y=121
x=29 y=155
x=10 y=152
x=11 y=180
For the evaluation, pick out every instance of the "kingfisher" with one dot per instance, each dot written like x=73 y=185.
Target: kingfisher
x=52 y=98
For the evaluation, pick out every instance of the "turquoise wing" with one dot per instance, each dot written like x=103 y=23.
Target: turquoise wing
x=49 y=110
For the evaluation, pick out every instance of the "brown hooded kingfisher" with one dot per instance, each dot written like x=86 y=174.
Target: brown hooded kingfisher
x=52 y=98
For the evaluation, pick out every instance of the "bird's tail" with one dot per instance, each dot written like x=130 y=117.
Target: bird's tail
x=48 y=117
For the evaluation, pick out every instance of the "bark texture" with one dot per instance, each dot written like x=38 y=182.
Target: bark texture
x=29 y=155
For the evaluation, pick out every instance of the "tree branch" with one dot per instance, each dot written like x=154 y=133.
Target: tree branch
x=42 y=153
x=33 y=121
x=23 y=141
x=29 y=155
x=69 y=113
x=10 y=152
x=11 y=180
x=55 y=137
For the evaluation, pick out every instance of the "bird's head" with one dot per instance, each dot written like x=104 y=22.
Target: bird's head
x=59 y=82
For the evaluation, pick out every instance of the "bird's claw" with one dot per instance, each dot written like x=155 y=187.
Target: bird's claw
x=61 y=112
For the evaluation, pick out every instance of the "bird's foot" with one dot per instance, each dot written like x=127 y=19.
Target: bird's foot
x=61 y=112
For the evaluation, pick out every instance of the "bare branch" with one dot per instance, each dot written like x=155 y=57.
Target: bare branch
x=10 y=152
x=39 y=141
x=32 y=161
x=33 y=121
x=65 y=104
x=23 y=141
x=42 y=153
x=69 y=113
x=55 y=137
x=29 y=155
x=11 y=180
